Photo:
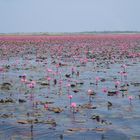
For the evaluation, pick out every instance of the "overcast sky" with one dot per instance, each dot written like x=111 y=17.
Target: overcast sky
x=69 y=15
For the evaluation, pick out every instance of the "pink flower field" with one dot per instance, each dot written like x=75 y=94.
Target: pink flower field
x=81 y=87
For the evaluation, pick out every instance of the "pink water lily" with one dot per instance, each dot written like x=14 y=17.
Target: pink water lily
x=130 y=99
x=73 y=105
x=50 y=70
x=97 y=80
x=46 y=106
x=24 y=80
x=117 y=83
x=90 y=93
x=32 y=84
x=105 y=90
x=48 y=78
x=70 y=96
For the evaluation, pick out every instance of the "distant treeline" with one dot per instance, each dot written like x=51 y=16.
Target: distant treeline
x=70 y=33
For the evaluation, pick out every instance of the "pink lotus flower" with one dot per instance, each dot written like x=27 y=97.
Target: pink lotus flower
x=32 y=84
x=130 y=98
x=104 y=90
x=49 y=70
x=48 y=78
x=90 y=92
x=124 y=66
x=85 y=60
x=117 y=83
x=93 y=60
x=23 y=80
x=73 y=105
x=125 y=74
x=97 y=80
x=46 y=106
x=57 y=65
x=68 y=85
x=70 y=96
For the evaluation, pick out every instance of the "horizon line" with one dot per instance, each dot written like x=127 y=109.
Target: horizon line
x=53 y=33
